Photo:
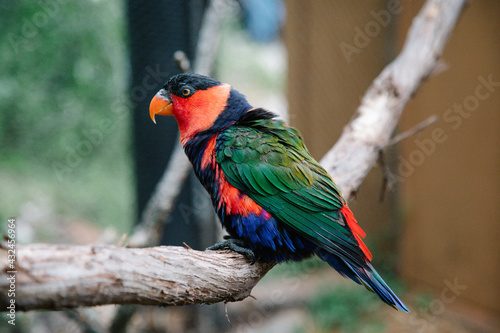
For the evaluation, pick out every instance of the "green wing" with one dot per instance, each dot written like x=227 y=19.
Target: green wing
x=268 y=161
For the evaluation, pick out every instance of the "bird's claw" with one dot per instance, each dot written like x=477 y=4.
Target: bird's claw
x=236 y=245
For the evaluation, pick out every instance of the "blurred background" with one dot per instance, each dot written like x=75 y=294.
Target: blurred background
x=79 y=156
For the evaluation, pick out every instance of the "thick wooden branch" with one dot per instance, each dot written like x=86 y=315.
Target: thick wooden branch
x=59 y=276
x=66 y=276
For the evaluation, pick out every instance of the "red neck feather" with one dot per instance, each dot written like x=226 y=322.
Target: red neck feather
x=199 y=112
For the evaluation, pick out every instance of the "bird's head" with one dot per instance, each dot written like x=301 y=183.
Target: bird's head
x=198 y=103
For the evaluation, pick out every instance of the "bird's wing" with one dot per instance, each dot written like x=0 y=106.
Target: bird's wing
x=267 y=160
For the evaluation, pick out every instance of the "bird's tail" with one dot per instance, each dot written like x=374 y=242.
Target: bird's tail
x=366 y=276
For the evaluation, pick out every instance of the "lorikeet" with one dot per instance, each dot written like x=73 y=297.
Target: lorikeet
x=275 y=201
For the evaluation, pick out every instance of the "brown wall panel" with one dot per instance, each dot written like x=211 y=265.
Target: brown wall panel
x=451 y=198
x=449 y=191
x=325 y=87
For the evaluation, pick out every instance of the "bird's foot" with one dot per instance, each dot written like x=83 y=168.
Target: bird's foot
x=236 y=245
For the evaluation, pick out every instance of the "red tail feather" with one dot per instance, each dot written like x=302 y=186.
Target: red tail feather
x=356 y=230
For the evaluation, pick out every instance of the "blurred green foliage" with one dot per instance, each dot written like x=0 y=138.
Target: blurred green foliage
x=297 y=268
x=346 y=308
x=64 y=124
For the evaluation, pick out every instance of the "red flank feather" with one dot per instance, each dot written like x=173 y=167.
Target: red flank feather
x=235 y=201
x=209 y=154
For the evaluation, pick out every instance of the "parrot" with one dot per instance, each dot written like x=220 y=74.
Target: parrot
x=276 y=202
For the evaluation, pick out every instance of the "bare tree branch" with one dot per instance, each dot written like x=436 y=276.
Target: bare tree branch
x=357 y=150
x=412 y=131
x=148 y=230
x=66 y=276
x=60 y=276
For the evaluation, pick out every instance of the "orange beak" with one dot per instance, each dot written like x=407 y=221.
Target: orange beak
x=160 y=104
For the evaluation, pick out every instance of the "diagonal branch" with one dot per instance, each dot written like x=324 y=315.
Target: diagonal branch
x=370 y=130
x=148 y=230
x=59 y=276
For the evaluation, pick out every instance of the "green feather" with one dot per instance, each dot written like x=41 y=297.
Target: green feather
x=276 y=178
x=268 y=161
x=238 y=156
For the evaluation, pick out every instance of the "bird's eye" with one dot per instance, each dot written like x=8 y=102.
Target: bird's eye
x=186 y=92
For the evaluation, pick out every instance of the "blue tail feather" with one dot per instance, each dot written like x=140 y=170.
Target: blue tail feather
x=367 y=276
